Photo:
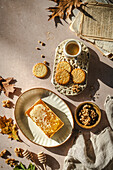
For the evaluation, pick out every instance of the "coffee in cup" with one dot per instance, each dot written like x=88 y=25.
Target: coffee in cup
x=72 y=48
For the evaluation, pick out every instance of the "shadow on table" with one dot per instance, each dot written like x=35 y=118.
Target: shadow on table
x=52 y=162
x=97 y=71
x=17 y=92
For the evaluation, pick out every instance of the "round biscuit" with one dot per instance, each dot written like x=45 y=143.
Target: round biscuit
x=62 y=77
x=40 y=70
x=63 y=65
x=78 y=76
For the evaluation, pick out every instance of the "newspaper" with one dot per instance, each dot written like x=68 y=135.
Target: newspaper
x=106 y=47
x=97 y=22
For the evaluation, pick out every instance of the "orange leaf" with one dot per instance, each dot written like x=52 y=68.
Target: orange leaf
x=7 y=127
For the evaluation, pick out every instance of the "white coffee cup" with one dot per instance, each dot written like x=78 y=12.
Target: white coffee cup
x=72 y=48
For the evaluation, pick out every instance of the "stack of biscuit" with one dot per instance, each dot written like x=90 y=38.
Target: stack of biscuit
x=64 y=73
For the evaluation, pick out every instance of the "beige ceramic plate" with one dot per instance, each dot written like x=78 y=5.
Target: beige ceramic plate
x=82 y=61
x=31 y=130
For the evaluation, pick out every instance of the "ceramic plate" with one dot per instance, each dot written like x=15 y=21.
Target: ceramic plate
x=31 y=130
x=82 y=62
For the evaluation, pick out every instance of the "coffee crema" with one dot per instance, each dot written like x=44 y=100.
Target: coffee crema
x=72 y=48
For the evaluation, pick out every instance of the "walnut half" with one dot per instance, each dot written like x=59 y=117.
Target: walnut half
x=18 y=152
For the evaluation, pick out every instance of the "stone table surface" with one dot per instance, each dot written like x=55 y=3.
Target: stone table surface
x=22 y=24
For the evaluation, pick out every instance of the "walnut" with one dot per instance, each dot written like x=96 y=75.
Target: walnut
x=7 y=103
x=18 y=152
x=76 y=88
x=3 y=153
x=11 y=162
x=87 y=115
x=86 y=106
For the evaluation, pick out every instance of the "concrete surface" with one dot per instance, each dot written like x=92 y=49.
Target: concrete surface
x=22 y=24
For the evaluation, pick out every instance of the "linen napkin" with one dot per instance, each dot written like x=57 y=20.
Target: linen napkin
x=97 y=153
x=109 y=109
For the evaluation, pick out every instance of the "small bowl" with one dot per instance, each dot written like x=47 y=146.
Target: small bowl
x=93 y=106
x=72 y=48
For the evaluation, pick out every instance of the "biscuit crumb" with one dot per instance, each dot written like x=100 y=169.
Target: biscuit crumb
x=76 y=88
x=39 y=42
x=43 y=56
x=38 y=48
x=2 y=154
x=43 y=44
x=45 y=62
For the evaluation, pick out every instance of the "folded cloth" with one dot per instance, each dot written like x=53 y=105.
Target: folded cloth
x=109 y=109
x=103 y=151
x=100 y=147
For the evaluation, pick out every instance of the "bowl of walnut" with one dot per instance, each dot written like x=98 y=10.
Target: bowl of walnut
x=87 y=115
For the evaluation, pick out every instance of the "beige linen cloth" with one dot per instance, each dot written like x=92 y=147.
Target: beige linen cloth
x=100 y=148
x=106 y=47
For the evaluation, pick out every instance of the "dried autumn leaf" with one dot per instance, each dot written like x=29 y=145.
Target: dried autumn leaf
x=14 y=133
x=9 y=88
x=7 y=127
x=6 y=85
x=64 y=7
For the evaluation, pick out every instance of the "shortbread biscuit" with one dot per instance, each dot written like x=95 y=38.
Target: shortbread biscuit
x=62 y=77
x=63 y=65
x=78 y=76
x=40 y=70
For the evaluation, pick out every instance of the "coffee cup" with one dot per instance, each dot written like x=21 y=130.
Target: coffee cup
x=72 y=48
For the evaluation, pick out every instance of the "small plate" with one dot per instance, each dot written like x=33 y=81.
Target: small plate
x=31 y=130
x=82 y=62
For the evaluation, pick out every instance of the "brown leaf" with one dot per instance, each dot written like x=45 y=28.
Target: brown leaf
x=6 y=85
x=9 y=88
x=14 y=133
x=64 y=7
